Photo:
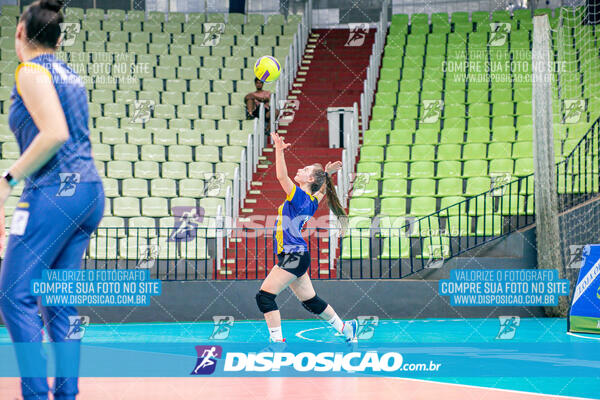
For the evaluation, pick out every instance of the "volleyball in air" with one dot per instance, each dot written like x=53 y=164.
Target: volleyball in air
x=267 y=69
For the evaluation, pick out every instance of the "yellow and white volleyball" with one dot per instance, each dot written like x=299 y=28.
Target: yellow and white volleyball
x=267 y=69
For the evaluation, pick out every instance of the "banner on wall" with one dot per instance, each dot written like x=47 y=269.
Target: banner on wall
x=584 y=315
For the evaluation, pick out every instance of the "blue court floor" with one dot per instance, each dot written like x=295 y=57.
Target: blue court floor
x=398 y=332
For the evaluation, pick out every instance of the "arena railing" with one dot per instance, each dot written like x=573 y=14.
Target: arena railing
x=383 y=247
x=577 y=174
x=369 y=84
x=290 y=68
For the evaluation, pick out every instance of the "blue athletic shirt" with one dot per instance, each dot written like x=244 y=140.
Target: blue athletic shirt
x=74 y=156
x=292 y=215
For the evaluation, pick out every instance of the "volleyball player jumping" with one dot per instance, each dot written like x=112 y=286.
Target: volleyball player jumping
x=301 y=202
x=62 y=201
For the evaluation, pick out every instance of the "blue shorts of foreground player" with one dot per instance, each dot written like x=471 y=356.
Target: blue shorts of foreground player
x=48 y=230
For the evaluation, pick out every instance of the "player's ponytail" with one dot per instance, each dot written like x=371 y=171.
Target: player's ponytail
x=42 y=21
x=322 y=178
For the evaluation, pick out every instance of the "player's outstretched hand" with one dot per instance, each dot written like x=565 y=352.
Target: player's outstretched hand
x=332 y=167
x=278 y=142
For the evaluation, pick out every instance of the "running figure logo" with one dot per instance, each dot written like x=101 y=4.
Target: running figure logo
x=186 y=222
x=575 y=256
x=573 y=111
x=358 y=34
x=287 y=111
x=499 y=33
x=498 y=182
x=68 y=183
x=212 y=33
x=142 y=111
x=431 y=111
x=359 y=185
x=148 y=255
x=68 y=33
x=207 y=359
x=437 y=254
x=508 y=327
x=77 y=325
x=223 y=325
x=214 y=183
x=366 y=326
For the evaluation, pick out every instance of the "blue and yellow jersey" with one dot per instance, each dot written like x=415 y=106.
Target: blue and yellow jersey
x=292 y=215
x=74 y=157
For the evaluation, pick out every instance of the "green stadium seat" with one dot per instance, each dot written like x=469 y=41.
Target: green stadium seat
x=448 y=169
x=420 y=206
x=512 y=205
x=436 y=248
x=458 y=225
x=448 y=152
x=191 y=188
x=421 y=187
x=211 y=205
x=452 y=135
x=142 y=227
x=355 y=248
x=473 y=151
x=179 y=153
x=126 y=207
x=103 y=248
x=394 y=170
x=145 y=169
x=478 y=135
x=393 y=206
x=425 y=227
x=112 y=227
x=152 y=152
x=498 y=165
x=231 y=154
x=207 y=153
x=395 y=248
x=489 y=225
x=133 y=27
x=125 y=152
x=426 y=136
x=361 y=206
x=481 y=205
x=399 y=136
x=135 y=187
x=422 y=169
x=174 y=170
x=119 y=169
x=393 y=225
x=111 y=187
x=475 y=168
x=503 y=134
x=371 y=153
x=452 y=206
x=449 y=187
x=369 y=189
x=422 y=152
x=477 y=185
x=163 y=187
x=523 y=166
x=154 y=207
x=394 y=187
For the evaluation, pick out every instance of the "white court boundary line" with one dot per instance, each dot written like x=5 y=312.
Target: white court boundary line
x=497 y=389
x=583 y=337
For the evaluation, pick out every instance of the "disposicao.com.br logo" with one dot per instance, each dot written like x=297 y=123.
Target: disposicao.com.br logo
x=322 y=362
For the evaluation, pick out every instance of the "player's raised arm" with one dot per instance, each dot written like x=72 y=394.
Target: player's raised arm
x=282 y=175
